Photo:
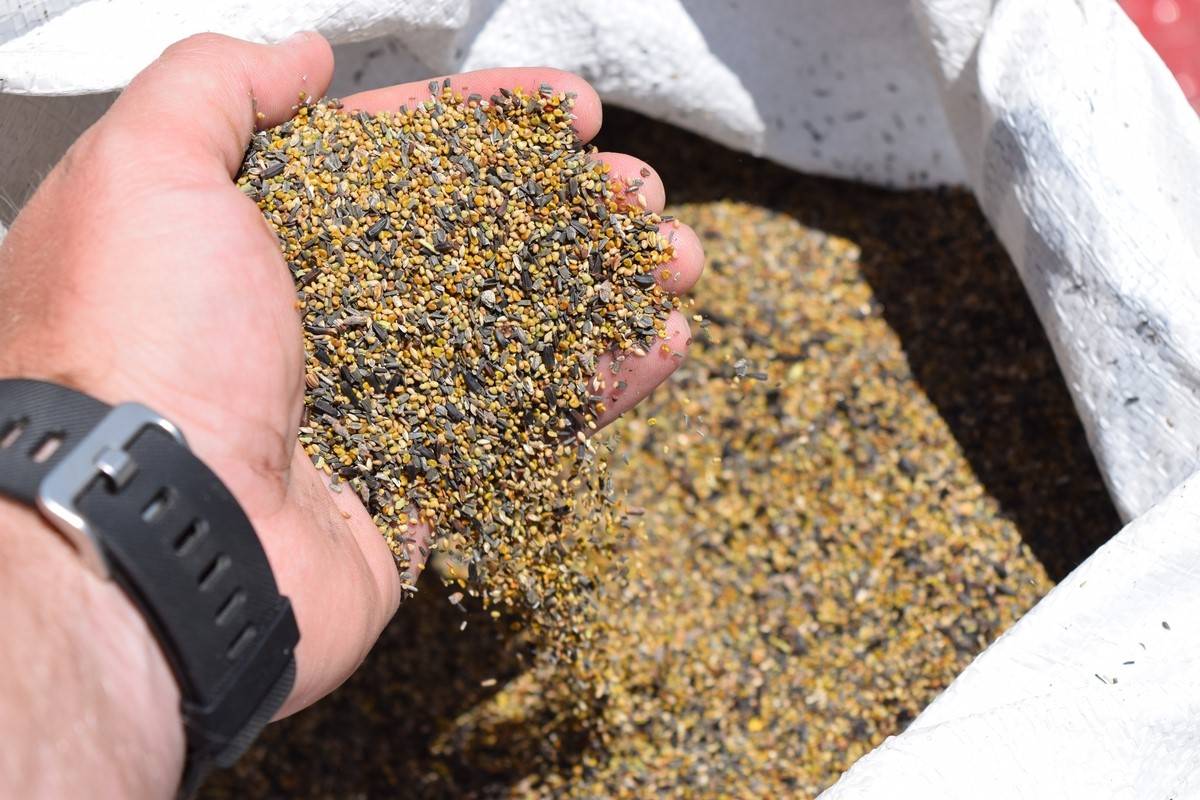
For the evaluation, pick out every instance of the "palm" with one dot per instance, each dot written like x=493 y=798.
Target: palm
x=225 y=333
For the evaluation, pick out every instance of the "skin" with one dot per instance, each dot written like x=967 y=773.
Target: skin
x=138 y=272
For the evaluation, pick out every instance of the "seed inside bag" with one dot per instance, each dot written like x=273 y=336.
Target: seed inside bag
x=866 y=469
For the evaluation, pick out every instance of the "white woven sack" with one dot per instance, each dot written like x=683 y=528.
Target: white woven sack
x=1082 y=153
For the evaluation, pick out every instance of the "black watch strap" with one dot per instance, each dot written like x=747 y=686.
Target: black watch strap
x=143 y=510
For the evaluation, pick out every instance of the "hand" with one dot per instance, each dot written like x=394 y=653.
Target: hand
x=138 y=272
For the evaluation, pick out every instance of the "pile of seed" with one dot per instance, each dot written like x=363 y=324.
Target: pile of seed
x=461 y=266
x=867 y=468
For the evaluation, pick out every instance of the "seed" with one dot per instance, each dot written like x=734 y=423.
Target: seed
x=793 y=595
x=444 y=259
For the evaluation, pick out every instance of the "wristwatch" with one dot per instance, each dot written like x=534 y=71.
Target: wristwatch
x=121 y=484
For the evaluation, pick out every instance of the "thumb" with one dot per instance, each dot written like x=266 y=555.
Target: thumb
x=200 y=101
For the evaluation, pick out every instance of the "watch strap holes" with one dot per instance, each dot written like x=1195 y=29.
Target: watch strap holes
x=158 y=505
x=244 y=637
x=232 y=605
x=10 y=431
x=47 y=447
x=193 y=533
x=209 y=575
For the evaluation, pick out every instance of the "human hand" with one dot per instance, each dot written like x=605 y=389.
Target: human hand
x=138 y=272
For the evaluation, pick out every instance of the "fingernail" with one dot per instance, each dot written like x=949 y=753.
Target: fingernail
x=296 y=38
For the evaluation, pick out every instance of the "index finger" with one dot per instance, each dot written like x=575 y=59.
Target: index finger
x=485 y=83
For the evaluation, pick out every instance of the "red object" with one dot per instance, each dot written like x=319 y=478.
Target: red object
x=1173 y=28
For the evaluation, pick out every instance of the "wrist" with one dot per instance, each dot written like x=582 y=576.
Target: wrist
x=90 y=698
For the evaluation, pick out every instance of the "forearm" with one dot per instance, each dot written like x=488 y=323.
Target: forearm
x=88 y=705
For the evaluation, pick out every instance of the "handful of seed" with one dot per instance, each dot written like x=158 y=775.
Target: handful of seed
x=460 y=267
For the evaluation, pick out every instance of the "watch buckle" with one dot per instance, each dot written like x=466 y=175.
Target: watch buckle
x=103 y=451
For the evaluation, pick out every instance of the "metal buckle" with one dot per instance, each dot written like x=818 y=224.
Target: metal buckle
x=103 y=451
